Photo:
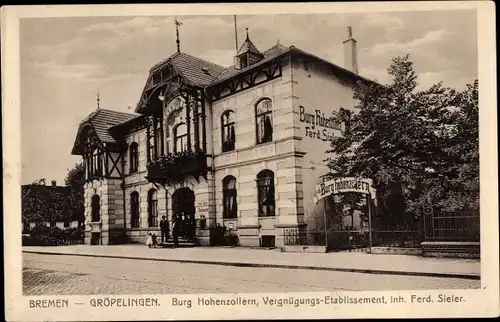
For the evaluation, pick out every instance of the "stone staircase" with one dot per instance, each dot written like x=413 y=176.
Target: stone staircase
x=183 y=242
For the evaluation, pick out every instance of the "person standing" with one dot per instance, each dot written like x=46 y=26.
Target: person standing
x=164 y=229
x=175 y=230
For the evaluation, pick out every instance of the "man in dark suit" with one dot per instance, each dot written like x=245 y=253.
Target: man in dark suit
x=175 y=230
x=164 y=229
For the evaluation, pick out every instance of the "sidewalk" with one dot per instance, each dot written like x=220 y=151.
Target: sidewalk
x=246 y=257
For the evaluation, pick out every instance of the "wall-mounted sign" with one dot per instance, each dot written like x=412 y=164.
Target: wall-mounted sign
x=202 y=207
x=318 y=126
x=347 y=184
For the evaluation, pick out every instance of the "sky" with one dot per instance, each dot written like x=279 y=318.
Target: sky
x=66 y=61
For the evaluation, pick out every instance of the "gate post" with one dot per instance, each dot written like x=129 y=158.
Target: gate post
x=369 y=221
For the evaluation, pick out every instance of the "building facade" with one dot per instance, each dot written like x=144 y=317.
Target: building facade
x=241 y=147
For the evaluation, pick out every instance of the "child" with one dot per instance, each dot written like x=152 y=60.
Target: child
x=153 y=237
x=149 y=239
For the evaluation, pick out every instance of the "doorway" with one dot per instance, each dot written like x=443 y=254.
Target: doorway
x=183 y=209
x=95 y=239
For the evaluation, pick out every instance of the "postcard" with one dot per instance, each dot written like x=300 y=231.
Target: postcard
x=250 y=161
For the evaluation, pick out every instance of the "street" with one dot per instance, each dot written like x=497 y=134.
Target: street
x=76 y=275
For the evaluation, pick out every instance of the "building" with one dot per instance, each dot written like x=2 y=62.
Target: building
x=241 y=147
x=48 y=205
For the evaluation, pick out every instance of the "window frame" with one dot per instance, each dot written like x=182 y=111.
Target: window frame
x=229 y=193
x=259 y=116
x=181 y=137
x=227 y=146
x=271 y=207
x=134 y=157
x=95 y=209
x=135 y=210
x=152 y=205
x=97 y=163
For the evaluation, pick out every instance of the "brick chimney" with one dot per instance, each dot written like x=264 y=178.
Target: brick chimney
x=54 y=183
x=350 y=52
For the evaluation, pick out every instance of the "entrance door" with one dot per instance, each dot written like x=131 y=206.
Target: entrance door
x=183 y=209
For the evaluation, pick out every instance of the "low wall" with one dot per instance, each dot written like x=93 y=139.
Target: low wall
x=452 y=249
x=397 y=251
x=304 y=249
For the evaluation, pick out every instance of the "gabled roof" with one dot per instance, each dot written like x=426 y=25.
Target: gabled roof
x=269 y=54
x=247 y=47
x=197 y=71
x=278 y=51
x=101 y=120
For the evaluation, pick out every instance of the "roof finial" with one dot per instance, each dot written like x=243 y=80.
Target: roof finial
x=278 y=42
x=177 y=24
x=247 y=32
x=98 y=99
x=349 y=32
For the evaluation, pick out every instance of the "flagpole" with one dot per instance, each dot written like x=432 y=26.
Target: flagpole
x=236 y=33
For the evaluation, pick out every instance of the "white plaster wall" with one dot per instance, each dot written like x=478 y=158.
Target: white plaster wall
x=243 y=105
x=316 y=88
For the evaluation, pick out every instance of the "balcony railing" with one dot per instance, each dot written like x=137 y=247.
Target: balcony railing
x=175 y=167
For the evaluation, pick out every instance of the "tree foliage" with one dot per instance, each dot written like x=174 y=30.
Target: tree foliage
x=417 y=145
x=75 y=180
x=43 y=203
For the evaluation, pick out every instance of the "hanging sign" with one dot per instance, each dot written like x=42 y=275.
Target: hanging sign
x=346 y=184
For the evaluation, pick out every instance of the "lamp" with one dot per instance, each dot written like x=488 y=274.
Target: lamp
x=161 y=97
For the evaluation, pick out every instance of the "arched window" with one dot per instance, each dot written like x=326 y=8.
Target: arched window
x=134 y=157
x=180 y=138
x=230 y=207
x=134 y=209
x=228 y=134
x=264 y=120
x=96 y=208
x=152 y=208
x=265 y=186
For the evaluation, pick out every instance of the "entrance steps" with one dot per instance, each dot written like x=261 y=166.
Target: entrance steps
x=183 y=242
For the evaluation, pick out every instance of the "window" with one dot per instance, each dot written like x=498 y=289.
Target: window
x=180 y=138
x=97 y=161
x=134 y=157
x=243 y=61
x=151 y=138
x=96 y=209
x=134 y=209
x=152 y=208
x=265 y=186
x=159 y=140
x=230 y=209
x=228 y=134
x=264 y=120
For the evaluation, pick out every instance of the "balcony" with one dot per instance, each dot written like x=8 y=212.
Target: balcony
x=175 y=167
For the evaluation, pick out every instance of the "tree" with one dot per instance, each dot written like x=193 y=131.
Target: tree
x=408 y=141
x=75 y=180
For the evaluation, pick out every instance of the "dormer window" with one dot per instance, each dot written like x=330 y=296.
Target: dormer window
x=248 y=54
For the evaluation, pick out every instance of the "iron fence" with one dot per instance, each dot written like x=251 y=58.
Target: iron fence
x=299 y=237
x=353 y=239
x=452 y=227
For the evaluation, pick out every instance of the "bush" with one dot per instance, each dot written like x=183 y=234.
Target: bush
x=42 y=235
